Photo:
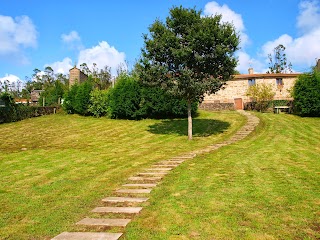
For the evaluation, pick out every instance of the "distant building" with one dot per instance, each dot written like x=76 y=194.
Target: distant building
x=22 y=100
x=233 y=95
x=35 y=96
x=76 y=76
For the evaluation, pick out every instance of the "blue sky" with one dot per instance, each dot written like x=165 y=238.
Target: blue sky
x=34 y=34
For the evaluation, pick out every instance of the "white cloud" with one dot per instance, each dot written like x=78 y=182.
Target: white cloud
x=16 y=34
x=71 y=37
x=309 y=17
x=245 y=62
x=61 y=66
x=10 y=77
x=228 y=15
x=72 y=40
x=301 y=51
x=103 y=55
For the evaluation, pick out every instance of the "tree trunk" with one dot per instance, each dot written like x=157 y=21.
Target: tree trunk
x=189 y=121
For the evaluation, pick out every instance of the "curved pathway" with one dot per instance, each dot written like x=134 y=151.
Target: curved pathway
x=126 y=200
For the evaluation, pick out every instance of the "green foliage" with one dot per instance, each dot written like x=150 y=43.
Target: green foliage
x=189 y=55
x=53 y=94
x=157 y=103
x=306 y=93
x=278 y=63
x=129 y=99
x=69 y=99
x=12 y=112
x=125 y=98
x=101 y=78
x=82 y=98
x=98 y=106
x=261 y=95
x=280 y=103
x=77 y=100
x=7 y=112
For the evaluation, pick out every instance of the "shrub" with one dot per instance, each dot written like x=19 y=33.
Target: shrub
x=131 y=100
x=261 y=95
x=98 y=106
x=69 y=99
x=306 y=93
x=52 y=94
x=82 y=98
x=77 y=100
x=125 y=99
x=159 y=104
x=8 y=112
x=12 y=112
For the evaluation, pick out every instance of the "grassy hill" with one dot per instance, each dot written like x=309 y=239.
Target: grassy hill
x=55 y=169
x=264 y=187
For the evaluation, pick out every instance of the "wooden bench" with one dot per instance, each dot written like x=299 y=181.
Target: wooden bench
x=278 y=109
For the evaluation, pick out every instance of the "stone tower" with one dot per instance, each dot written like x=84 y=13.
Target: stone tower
x=76 y=76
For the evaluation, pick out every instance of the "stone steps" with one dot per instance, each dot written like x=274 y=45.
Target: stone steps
x=152 y=174
x=166 y=165
x=145 y=190
x=176 y=163
x=159 y=169
x=87 y=236
x=141 y=185
x=101 y=222
x=124 y=199
x=145 y=179
x=128 y=210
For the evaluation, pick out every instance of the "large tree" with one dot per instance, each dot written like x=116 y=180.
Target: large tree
x=189 y=55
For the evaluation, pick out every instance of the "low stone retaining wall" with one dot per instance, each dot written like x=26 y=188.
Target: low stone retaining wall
x=217 y=106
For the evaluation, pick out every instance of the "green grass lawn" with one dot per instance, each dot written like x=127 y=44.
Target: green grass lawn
x=55 y=169
x=264 y=187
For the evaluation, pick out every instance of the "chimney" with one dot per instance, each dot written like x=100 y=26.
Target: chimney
x=250 y=70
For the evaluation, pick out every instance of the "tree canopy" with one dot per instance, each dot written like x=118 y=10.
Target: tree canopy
x=306 y=93
x=189 y=55
x=278 y=62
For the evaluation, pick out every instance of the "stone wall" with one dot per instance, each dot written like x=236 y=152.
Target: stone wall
x=216 y=106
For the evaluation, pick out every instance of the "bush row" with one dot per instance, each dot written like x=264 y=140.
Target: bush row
x=127 y=100
x=12 y=112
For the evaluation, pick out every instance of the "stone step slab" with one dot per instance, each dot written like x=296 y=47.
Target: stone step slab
x=184 y=157
x=124 y=199
x=175 y=160
x=171 y=162
x=143 y=185
x=87 y=236
x=151 y=179
x=146 y=190
x=164 y=165
x=152 y=174
x=159 y=169
x=129 y=210
x=104 y=222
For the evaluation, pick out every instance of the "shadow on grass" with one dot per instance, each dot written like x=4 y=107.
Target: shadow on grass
x=201 y=127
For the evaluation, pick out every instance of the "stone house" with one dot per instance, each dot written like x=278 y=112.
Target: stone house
x=233 y=94
x=76 y=76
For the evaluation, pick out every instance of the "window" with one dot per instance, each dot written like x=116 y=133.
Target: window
x=279 y=81
x=251 y=82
